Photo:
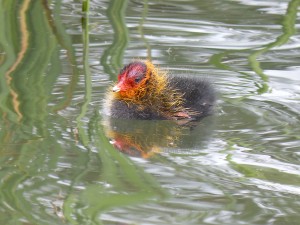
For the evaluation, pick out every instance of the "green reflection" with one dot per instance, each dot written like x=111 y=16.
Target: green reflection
x=112 y=58
x=48 y=171
x=85 y=6
x=288 y=30
x=15 y=52
x=119 y=182
x=87 y=73
x=26 y=86
x=141 y=30
x=65 y=42
x=30 y=53
x=264 y=173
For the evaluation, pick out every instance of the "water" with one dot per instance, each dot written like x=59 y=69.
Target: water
x=64 y=162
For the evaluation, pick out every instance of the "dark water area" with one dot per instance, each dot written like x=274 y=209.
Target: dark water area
x=63 y=161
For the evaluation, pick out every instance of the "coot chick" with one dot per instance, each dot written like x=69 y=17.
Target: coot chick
x=145 y=92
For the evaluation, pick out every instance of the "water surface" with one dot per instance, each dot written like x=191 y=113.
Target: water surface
x=59 y=164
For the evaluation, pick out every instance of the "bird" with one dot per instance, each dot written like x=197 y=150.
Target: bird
x=144 y=91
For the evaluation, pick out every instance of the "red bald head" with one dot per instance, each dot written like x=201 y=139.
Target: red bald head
x=130 y=76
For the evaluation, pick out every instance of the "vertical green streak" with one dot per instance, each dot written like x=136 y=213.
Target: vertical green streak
x=112 y=58
x=85 y=6
x=141 y=31
x=65 y=41
x=87 y=76
x=28 y=78
x=8 y=53
x=71 y=199
x=288 y=28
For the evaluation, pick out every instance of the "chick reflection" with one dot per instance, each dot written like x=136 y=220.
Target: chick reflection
x=141 y=138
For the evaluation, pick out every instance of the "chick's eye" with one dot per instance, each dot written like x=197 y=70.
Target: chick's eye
x=137 y=80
